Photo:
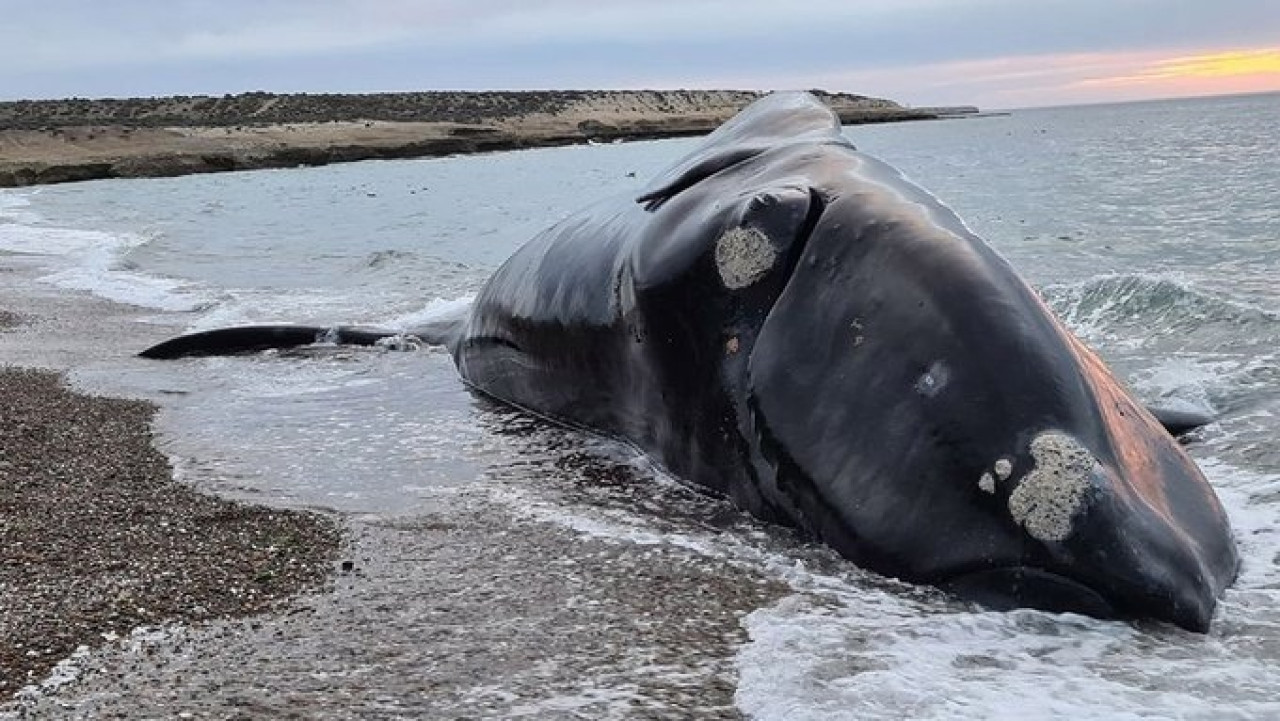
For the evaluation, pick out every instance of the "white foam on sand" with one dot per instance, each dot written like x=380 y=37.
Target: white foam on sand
x=15 y=207
x=69 y=670
x=848 y=655
x=90 y=260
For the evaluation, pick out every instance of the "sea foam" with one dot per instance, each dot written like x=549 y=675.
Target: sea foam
x=90 y=260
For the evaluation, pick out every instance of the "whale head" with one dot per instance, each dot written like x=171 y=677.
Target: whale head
x=903 y=395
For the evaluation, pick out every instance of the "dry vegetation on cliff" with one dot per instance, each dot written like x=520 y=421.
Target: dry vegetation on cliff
x=50 y=141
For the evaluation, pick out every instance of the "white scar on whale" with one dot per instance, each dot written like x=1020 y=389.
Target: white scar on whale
x=743 y=256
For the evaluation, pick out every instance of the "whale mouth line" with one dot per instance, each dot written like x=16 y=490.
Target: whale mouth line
x=1004 y=588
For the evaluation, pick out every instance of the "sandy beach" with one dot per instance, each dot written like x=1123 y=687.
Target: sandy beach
x=97 y=539
x=127 y=594
x=60 y=141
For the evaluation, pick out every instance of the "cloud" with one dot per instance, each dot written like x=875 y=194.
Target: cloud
x=1019 y=81
x=1232 y=63
x=929 y=51
x=1228 y=71
x=273 y=42
x=68 y=33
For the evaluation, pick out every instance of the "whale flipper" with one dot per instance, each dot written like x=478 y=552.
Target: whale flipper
x=254 y=338
x=1178 y=422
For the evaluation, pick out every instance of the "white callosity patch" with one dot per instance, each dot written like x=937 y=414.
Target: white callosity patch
x=1003 y=469
x=1056 y=490
x=743 y=256
x=932 y=381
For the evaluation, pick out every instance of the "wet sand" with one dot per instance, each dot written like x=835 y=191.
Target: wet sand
x=479 y=604
x=462 y=614
x=96 y=538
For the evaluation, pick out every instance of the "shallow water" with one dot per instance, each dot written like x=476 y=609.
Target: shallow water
x=1151 y=228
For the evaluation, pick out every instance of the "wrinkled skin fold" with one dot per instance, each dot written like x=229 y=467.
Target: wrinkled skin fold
x=787 y=321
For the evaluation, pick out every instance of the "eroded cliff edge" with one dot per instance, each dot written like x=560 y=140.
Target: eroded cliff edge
x=54 y=141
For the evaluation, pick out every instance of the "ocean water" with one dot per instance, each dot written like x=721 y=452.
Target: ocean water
x=1153 y=229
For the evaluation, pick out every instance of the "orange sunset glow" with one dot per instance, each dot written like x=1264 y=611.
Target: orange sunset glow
x=1218 y=65
x=1235 y=71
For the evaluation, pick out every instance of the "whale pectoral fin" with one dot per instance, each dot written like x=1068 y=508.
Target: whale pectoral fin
x=1178 y=422
x=250 y=339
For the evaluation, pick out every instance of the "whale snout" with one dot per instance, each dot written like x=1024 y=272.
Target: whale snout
x=1107 y=540
x=1146 y=563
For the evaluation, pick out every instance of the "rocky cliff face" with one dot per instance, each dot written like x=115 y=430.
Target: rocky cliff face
x=52 y=141
x=432 y=107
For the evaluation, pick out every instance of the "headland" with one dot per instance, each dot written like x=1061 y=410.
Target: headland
x=55 y=141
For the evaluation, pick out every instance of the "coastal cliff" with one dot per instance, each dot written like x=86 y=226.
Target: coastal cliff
x=54 y=141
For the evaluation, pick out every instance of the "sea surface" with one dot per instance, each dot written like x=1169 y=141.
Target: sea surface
x=1153 y=229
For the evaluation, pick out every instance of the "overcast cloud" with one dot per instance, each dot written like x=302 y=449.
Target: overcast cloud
x=998 y=53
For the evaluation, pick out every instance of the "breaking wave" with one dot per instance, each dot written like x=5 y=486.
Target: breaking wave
x=1138 y=309
x=91 y=260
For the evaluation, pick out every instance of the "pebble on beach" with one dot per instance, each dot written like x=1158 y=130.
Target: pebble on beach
x=96 y=538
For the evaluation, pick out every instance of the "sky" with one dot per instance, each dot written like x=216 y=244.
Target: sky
x=992 y=53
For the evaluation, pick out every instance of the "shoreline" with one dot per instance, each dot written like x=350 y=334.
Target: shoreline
x=98 y=538
x=44 y=142
x=440 y=596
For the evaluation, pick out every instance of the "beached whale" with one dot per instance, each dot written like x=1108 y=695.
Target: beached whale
x=789 y=322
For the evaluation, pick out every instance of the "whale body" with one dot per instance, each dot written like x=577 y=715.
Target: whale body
x=787 y=321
